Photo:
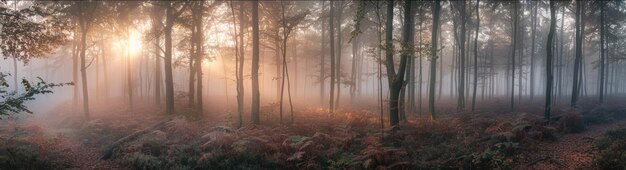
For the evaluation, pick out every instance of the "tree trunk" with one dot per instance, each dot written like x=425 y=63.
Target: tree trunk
x=331 y=31
x=83 y=68
x=397 y=80
x=461 y=64
x=433 y=62
x=578 y=59
x=156 y=23
x=513 y=47
x=199 y=56
x=532 y=50
x=476 y=55
x=322 y=59
x=129 y=78
x=549 y=45
x=169 y=82
x=602 y=51
x=338 y=50
x=255 y=63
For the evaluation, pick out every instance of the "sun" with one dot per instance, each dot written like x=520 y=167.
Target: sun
x=134 y=42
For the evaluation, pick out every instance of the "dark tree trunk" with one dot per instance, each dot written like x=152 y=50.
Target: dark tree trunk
x=255 y=63
x=331 y=31
x=602 y=52
x=169 y=82
x=83 y=68
x=476 y=55
x=549 y=52
x=532 y=50
x=199 y=56
x=578 y=60
x=513 y=48
x=433 y=62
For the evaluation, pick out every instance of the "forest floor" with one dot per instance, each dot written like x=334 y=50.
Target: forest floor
x=348 y=139
x=570 y=151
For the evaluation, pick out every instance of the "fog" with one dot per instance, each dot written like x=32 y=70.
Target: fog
x=396 y=66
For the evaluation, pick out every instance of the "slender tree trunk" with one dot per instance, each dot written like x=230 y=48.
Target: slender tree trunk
x=83 y=68
x=75 y=53
x=192 y=70
x=338 y=50
x=322 y=59
x=156 y=24
x=577 y=61
x=397 y=80
x=513 y=48
x=199 y=56
x=240 y=60
x=549 y=52
x=602 y=52
x=560 y=64
x=461 y=85
x=169 y=82
x=476 y=55
x=255 y=63
x=129 y=78
x=333 y=71
x=433 y=62
x=532 y=50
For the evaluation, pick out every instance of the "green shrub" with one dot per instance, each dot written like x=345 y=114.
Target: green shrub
x=612 y=150
x=22 y=155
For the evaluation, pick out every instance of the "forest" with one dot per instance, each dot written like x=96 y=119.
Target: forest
x=316 y=84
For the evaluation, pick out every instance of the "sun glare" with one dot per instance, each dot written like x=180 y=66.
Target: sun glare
x=131 y=44
x=134 y=42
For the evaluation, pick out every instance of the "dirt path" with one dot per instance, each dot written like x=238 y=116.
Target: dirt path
x=570 y=151
x=79 y=156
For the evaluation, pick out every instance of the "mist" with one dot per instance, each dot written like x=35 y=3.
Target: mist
x=312 y=84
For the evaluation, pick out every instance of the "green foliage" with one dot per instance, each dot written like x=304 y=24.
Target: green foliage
x=27 y=148
x=14 y=102
x=612 y=150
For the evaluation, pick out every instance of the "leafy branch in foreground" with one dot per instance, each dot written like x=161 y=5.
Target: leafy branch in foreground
x=13 y=102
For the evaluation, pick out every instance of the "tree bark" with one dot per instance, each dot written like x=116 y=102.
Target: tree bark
x=433 y=62
x=331 y=31
x=169 y=82
x=255 y=63
x=513 y=48
x=476 y=55
x=577 y=61
x=549 y=53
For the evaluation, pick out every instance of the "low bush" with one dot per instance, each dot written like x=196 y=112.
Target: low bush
x=612 y=148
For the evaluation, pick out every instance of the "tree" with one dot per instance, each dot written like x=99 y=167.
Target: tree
x=513 y=47
x=255 y=62
x=198 y=12
x=239 y=54
x=532 y=49
x=396 y=80
x=171 y=14
x=333 y=71
x=436 y=7
x=461 y=43
x=287 y=24
x=549 y=53
x=578 y=57
x=602 y=51
x=157 y=24
x=476 y=55
x=85 y=18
